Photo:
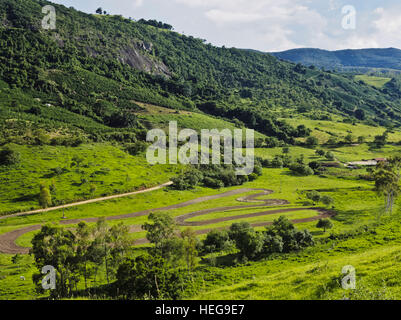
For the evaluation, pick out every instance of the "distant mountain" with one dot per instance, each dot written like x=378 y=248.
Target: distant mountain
x=363 y=59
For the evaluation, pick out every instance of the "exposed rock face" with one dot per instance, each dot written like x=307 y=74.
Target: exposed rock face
x=135 y=53
x=136 y=58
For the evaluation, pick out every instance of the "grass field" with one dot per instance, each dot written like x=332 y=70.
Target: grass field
x=323 y=130
x=355 y=202
x=159 y=117
x=310 y=274
x=377 y=82
x=104 y=166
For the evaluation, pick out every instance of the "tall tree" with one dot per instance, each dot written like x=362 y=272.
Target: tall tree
x=387 y=180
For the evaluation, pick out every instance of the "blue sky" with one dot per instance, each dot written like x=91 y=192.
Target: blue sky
x=269 y=25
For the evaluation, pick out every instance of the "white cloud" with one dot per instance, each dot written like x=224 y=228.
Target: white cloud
x=270 y=24
x=220 y=17
x=137 y=3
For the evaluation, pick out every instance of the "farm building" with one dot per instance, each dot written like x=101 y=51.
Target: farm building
x=365 y=163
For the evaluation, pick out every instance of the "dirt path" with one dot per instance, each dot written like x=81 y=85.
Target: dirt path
x=27 y=213
x=8 y=245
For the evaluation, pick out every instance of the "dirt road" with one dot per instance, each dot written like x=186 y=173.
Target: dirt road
x=27 y=213
x=8 y=245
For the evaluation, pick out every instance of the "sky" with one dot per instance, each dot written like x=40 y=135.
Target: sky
x=269 y=25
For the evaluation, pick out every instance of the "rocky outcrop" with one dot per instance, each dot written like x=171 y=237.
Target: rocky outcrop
x=136 y=56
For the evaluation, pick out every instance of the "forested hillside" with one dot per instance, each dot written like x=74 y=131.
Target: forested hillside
x=361 y=59
x=88 y=73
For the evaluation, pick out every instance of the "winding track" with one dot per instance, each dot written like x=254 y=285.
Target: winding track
x=8 y=245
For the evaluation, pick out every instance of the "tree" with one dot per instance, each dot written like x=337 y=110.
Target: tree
x=361 y=139
x=380 y=140
x=314 y=196
x=162 y=229
x=387 y=177
x=45 y=198
x=92 y=189
x=349 y=138
x=301 y=169
x=190 y=252
x=282 y=236
x=149 y=277
x=9 y=157
x=314 y=165
x=312 y=141
x=83 y=242
x=286 y=150
x=330 y=156
x=327 y=200
x=247 y=240
x=277 y=162
x=320 y=152
x=360 y=114
x=324 y=224
x=55 y=246
x=99 y=10
x=332 y=141
x=215 y=241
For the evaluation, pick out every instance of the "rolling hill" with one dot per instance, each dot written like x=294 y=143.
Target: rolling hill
x=351 y=60
x=95 y=66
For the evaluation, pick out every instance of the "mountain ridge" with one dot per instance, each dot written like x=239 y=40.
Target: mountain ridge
x=97 y=65
x=382 y=58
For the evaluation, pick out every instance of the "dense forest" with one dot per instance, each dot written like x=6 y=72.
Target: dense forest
x=359 y=59
x=88 y=73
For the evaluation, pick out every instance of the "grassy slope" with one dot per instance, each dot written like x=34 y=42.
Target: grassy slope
x=159 y=117
x=316 y=272
x=322 y=129
x=347 y=194
x=377 y=82
x=107 y=167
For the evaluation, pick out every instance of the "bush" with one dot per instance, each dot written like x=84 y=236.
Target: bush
x=324 y=224
x=148 y=277
x=301 y=169
x=247 y=240
x=216 y=241
x=312 y=141
x=314 y=196
x=282 y=236
x=9 y=157
x=213 y=183
x=45 y=198
x=136 y=148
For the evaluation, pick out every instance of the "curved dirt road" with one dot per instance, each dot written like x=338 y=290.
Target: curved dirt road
x=8 y=245
x=74 y=204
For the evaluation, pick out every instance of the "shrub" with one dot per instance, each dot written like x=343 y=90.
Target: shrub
x=213 y=183
x=45 y=198
x=247 y=240
x=215 y=241
x=9 y=157
x=312 y=141
x=330 y=156
x=301 y=169
x=314 y=196
x=324 y=224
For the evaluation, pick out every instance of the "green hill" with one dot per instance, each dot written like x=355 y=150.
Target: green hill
x=96 y=65
x=361 y=59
